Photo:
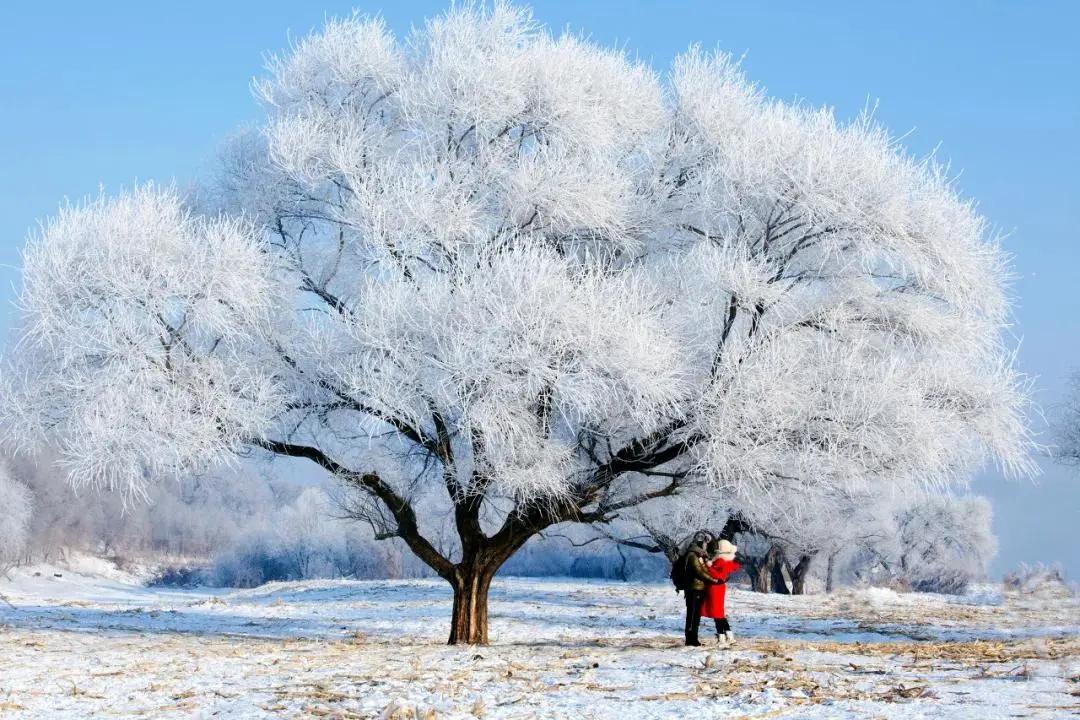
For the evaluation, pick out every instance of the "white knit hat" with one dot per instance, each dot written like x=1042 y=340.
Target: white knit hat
x=727 y=550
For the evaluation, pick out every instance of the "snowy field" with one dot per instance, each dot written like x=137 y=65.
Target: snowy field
x=83 y=645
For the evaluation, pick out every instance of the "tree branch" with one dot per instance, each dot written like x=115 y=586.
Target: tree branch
x=402 y=511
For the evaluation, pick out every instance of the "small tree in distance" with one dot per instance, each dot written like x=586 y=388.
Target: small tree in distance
x=516 y=280
x=1067 y=424
x=16 y=502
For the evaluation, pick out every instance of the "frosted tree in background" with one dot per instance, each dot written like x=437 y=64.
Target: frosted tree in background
x=820 y=520
x=933 y=541
x=944 y=542
x=1067 y=424
x=510 y=280
x=15 y=506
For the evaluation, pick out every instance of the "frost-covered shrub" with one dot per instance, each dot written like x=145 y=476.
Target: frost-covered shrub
x=1039 y=580
x=180 y=576
x=255 y=558
x=15 y=508
x=948 y=582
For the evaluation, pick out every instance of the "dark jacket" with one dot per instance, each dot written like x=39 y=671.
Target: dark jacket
x=697 y=572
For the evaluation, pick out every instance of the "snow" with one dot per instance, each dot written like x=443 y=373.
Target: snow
x=100 y=643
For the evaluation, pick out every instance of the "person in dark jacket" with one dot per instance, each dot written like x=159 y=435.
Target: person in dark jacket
x=698 y=579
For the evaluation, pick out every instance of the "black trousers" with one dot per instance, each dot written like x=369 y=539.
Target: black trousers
x=722 y=626
x=694 y=598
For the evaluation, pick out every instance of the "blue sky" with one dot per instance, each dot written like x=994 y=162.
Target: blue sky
x=109 y=93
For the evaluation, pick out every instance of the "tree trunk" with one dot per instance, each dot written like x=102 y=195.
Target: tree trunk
x=471 y=578
x=622 y=563
x=799 y=573
x=830 y=573
x=469 y=620
x=775 y=559
x=767 y=573
x=759 y=576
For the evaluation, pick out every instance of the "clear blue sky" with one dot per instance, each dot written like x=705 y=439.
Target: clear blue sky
x=112 y=92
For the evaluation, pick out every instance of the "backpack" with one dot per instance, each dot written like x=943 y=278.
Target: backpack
x=678 y=573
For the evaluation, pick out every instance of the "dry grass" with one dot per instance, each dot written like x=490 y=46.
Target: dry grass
x=970 y=652
x=332 y=679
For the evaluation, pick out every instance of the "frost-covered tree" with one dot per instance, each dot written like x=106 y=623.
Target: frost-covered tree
x=928 y=541
x=15 y=507
x=863 y=530
x=313 y=544
x=506 y=280
x=61 y=517
x=820 y=520
x=944 y=542
x=1067 y=424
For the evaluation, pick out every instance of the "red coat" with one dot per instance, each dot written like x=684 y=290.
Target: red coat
x=721 y=569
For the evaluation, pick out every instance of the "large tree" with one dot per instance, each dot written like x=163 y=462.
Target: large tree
x=514 y=280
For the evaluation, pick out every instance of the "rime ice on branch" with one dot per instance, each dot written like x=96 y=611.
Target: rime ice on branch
x=514 y=280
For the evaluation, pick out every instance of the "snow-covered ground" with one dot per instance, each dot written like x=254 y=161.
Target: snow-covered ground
x=98 y=644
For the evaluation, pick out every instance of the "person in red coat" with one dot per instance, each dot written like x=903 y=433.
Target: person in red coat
x=721 y=567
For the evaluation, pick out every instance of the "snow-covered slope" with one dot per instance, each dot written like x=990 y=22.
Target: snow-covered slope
x=80 y=646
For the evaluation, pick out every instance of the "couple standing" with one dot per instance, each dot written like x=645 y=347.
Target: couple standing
x=708 y=563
